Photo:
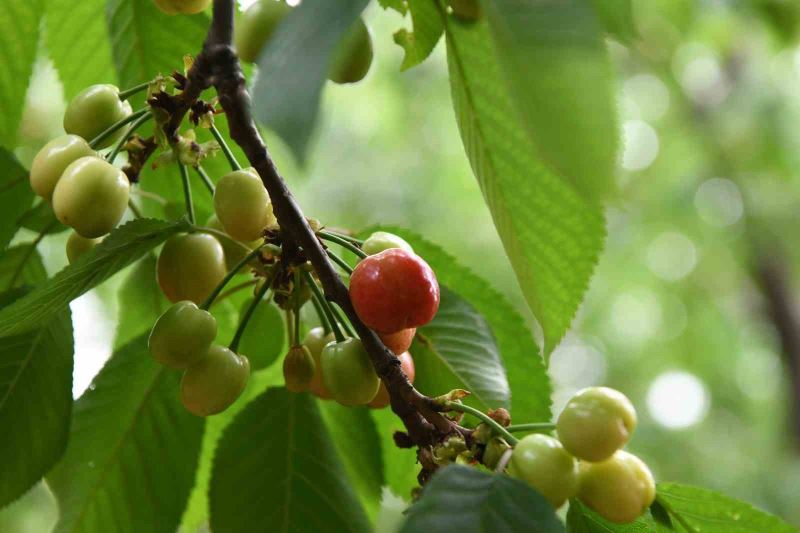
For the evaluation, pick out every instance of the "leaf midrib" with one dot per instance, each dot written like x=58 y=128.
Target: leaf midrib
x=24 y=365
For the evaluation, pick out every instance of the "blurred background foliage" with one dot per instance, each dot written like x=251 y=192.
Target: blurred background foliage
x=709 y=99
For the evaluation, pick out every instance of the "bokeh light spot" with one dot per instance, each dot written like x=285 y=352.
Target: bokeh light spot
x=677 y=399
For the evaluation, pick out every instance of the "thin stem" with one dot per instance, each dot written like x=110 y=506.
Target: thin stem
x=187 y=192
x=462 y=408
x=341 y=262
x=220 y=235
x=127 y=93
x=108 y=132
x=290 y=320
x=204 y=177
x=135 y=126
x=29 y=254
x=150 y=196
x=323 y=319
x=248 y=314
x=298 y=284
x=350 y=238
x=229 y=276
x=134 y=209
x=345 y=324
x=344 y=243
x=233 y=290
x=326 y=307
x=538 y=427
x=225 y=148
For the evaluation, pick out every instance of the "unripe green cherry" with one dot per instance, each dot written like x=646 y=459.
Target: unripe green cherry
x=467 y=10
x=348 y=372
x=91 y=196
x=190 y=266
x=315 y=340
x=543 y=463
x=298 y=369
x=233 y=252
x=619 y=489
x=51 y=161
x=182 y=7
x=595 y=423
x=353 y=55
x=78 y=246
x=94 y=110
x=242 y=205
x=182 y=335
x=381 y=240
x=256 y=26
x=214 y=382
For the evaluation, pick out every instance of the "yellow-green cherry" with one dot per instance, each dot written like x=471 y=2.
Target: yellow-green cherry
x=315 y=340
x=348 y=372
x=298 y=369
x=256 y=26
x=51 y=161
x=353 y=55
x=214 y=382
x=595 y=423
x=182 y=335
x=78 y=246
x=382 y=240
x=91 y=196
x=234 y=250
x=620 y=489
x=242 y=205
x=94 y=110
x=190 y=266
x=543 y=463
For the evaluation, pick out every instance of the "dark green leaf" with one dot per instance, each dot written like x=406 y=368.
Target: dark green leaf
x=399 y=465
x=141 y=302
x=132 y=451
x=464 y=499
x=560 y=80
x=581 y=519
x=19 y=41
x=21 y=265
x=122 y=247
x=616 y=16
x=294 y=67
x=277 y=469
x=16 y=195
x=697 y=509
x=265 y=337
x=41 y=218
x=77 y=41
x=552 y=235
x=35 y=402
x=457 y=350
x=428 y=29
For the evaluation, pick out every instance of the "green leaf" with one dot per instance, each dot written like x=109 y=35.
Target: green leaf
x=399 y=465
x=428 y=29
x=276 y=468
x=78 y=44
x=132 y=450
x=19 y=41
x=294 y=66
x=552 y=235
x=556 y=65
x=141 y=302
x=530 y=385
x=41 y=218
x=581 y=519
x=35 y=402
x=21 y=265
x=265 y=337
x=357 y=442
x=145 y=42
x=16 y=195
x=457 y=350
x=398 y=5
x=616 y=16
x=464 y=499
x=696 y=509
x=122 y=247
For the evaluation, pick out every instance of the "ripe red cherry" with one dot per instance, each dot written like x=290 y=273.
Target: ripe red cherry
x=394 y=290
x=399 y=342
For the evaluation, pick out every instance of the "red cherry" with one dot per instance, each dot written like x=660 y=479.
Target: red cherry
x=394 y=290
x=399 y=342
x=381 y=399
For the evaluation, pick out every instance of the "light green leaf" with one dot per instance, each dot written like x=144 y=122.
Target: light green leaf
x=581 y=519
x=141 y=302
x=78 y=44
x=400 y=465
x=277 y=469
x=457 y=350
x=464 y=499
x=122 y=247
x=428 y=29
x=398 y=5
x=616 y=16
x=132 y=453
x=552 y=235
x=19 y=41
x=265 y=337
x=21 y=265
x=16 y=195
x=35 y=401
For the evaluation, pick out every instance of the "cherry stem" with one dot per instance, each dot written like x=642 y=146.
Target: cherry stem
x=339 y=261
x=323 y=319
x=127 y=93
x=354 y=240
x=187 y=192
x=134 y=209
x=229 y=276
x=233 y=290
x=204 y=177
x=225 y=148
x=220 y=235
x=489 y=421
x=344 y=243
x=135 y=126
x=248 y=314
x=298 y=284
x=341 y=319
x=116 y=126
x=536 y=427
x=326 y=307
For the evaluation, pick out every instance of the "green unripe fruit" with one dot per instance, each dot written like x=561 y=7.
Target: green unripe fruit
x=182 y=7
x=348 y=372
x=595 y=423
x=51 y=161
x=190 y=266
x=182 y=335
x=381 y=240
x=214 y=382
x=256 y=26
x=543 y=463
x=619 y=489
x=467 y=10
x=298 y=369
x=91 y=196
x=78 y=246
x=353 y=55
x=242 y=205
x=233 y=252
x=94 y=110
x=315 y=340
x=494 y=451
